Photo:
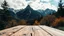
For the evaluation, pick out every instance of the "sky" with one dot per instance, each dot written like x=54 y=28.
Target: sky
x=35 y=4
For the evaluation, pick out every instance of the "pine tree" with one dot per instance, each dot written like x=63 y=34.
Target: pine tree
x=6 y=12
x=4 y=15
x=4 y=5
x=60 y=10
x=60 y=4
x=5 y=8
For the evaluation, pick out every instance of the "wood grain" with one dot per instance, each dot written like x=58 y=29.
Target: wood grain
x=40 y=30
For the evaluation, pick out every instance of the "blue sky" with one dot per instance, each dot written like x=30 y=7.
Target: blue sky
x=35 y=4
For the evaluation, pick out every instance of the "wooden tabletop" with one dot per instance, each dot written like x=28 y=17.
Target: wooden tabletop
x=23 y=30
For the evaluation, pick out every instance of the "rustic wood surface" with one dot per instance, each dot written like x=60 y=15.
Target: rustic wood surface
x=24 y=30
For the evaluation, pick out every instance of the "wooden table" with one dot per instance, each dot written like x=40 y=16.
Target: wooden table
x=23 y=30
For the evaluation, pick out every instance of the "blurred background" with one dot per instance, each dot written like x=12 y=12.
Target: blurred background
x=31 y=12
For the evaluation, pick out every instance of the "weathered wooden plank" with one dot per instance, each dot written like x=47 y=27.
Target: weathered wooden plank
x=54 y=32
x=10 y=31
x=27 y=31
x=31 y=31
x=39 y=32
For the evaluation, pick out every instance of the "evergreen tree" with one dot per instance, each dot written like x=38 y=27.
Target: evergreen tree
x=60 y=12
x=5 y=5
x=60 y=4
x=5 y=8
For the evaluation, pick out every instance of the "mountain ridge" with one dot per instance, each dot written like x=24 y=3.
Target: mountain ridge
x=28 y=13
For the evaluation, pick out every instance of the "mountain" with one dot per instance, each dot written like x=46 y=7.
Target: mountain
x=47 y=12
x=39 y=10
x=11 y=11
x=28 y=13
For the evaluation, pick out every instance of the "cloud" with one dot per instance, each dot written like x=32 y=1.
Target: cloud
x=43 y=6
x=40 y=5
x=1 y=1
x=35 y=4
x=56 y=0
x=45 y=0
x=17 y=4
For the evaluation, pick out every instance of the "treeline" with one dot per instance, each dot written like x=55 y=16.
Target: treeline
x=49 y=20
